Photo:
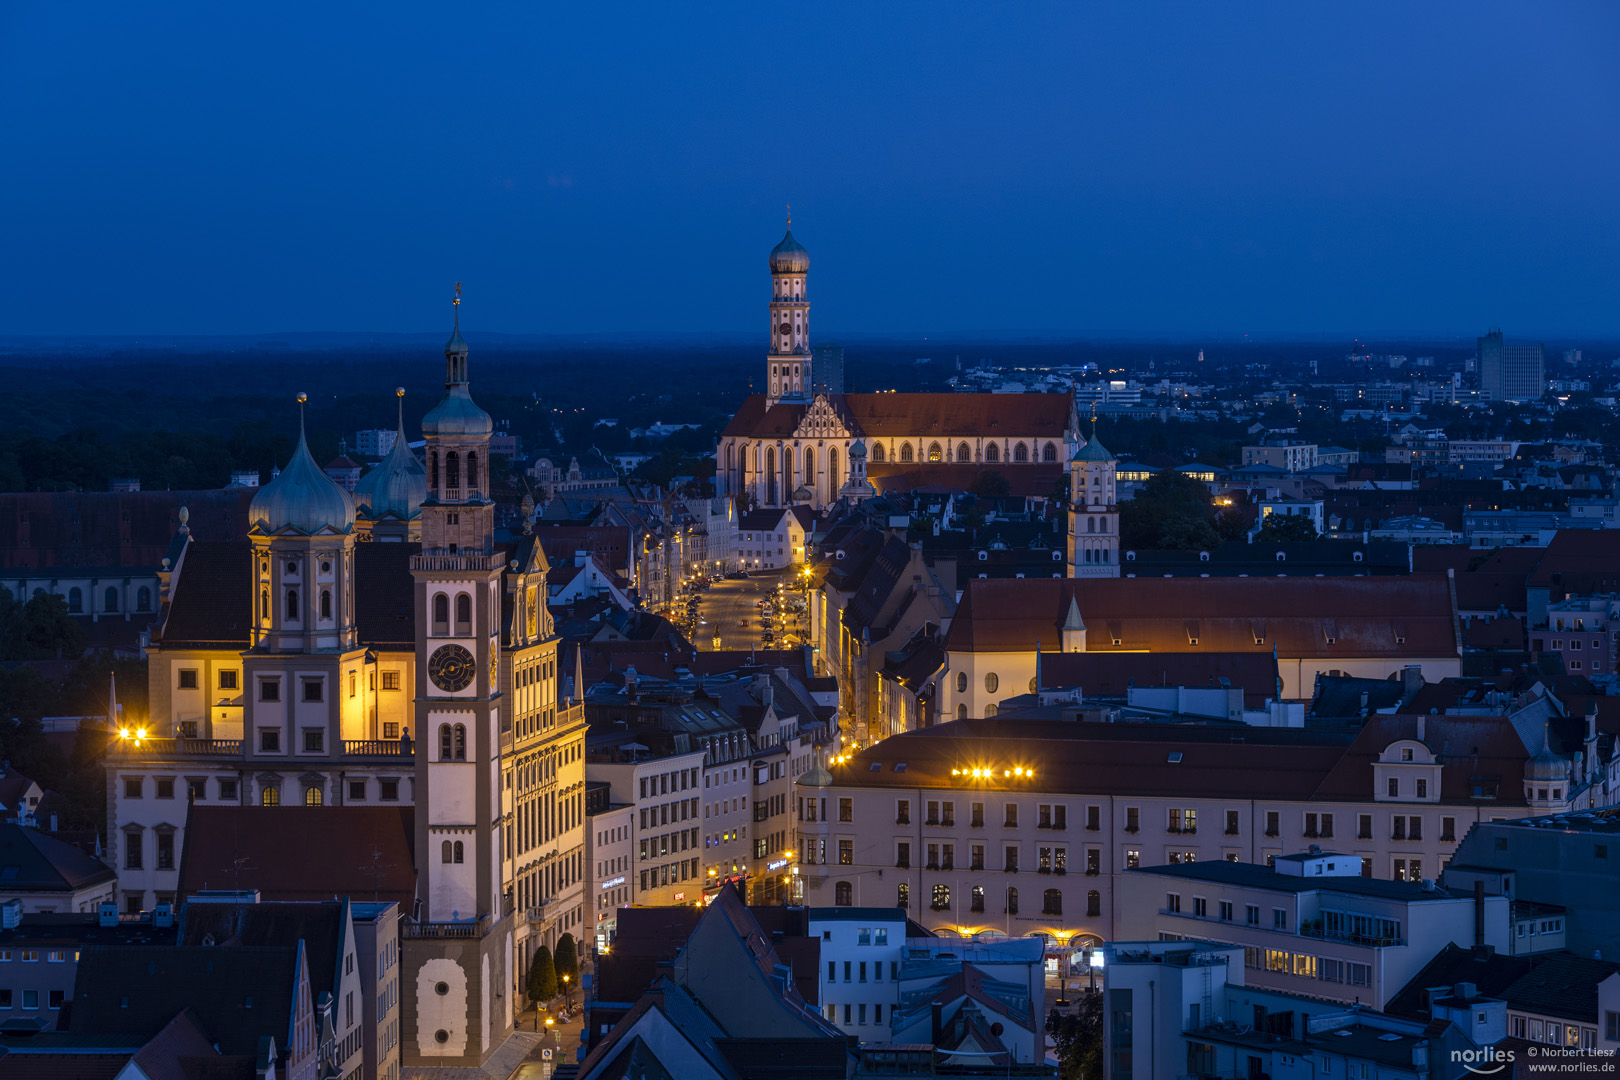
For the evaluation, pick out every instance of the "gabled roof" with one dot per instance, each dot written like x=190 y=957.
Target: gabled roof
x=34 y=862
x=1297 y=617
x=367 y=852
x=1486 y=747
x=943 y=416
x=318 y=924
x=1111 y=675
x=237 y=995
x=1562 y=985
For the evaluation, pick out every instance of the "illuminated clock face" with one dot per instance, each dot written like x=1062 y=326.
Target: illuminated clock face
x=451 y=668
x=787 y=328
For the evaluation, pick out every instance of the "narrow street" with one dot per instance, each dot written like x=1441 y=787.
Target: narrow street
x=732 y=618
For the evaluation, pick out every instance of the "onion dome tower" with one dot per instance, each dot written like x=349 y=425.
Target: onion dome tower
x=390 y=496
x=787 y=366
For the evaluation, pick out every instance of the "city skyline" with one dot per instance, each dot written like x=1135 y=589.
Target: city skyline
x=1041 y=170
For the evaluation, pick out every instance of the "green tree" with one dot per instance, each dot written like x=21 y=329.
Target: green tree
x=1280 y=528
x=1079 y=1037
x=542 y=976
x=566 y=959
x=1171 y=510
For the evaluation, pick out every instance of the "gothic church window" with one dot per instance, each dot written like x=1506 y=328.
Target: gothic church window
x=934 y=452
x=877 y=452
x=905 y=452
x=1049 y=453
x=992 y=452
x=1020 y=452
x=963 y=453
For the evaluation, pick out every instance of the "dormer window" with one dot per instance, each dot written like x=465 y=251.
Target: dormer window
x=1406 y=753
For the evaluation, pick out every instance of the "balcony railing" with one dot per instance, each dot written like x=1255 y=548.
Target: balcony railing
x=177 y=747
x=1370 y=940
x=455 y=562
x=377 y=748
x=428 y=930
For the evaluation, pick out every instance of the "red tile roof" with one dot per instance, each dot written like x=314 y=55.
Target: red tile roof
x=1037 y=416
x=1028 y=478
x=1473 y=746
x=1112 y=674
x=366 y=852
x=1374 y=616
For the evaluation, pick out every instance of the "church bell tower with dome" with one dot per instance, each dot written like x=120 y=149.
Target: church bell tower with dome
x=787 y=368
x=458 y=949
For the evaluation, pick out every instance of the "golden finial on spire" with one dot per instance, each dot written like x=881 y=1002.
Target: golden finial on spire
x=790 y=215
x=457 y=300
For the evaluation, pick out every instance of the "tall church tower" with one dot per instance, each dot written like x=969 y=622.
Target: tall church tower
x=787 y=375
x=459 y=949
x=1093 y=513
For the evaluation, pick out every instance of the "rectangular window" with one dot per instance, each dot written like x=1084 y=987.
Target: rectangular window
x=1231 y=823
x=314 y=740
x=846 y=852
x=197 y=789
x=188 y=678
x=357 y=791
x=1200 y=906
x=390 y=680
x=1133 y=858
x=132 y=851
x=314 y=690
x=165 y=851
x=1422 y=788
x=1279 y=919
x=30 y=999
x=1133 y=819
x=227 y=789
x=977 y=819
x=1010 y=818
x=1272 y=823
x=1172 y=902
x=1226 y=910
x=269 y=689
x=1012 y=860
x=902 y=812
x=846 y=809
x=132 y=787
x=1394 y=787
x=227 y=680
x=388 y=790
x=1251 y=914
x=165 y=787
x=1093 y=819
x=1327 y=824
x=391 y=729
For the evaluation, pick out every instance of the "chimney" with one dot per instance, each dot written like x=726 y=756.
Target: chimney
x=163 y=915
x=1479 y=914
x=10 y=914
x=1411 y=682
x=107 y=914
x=1422 y=726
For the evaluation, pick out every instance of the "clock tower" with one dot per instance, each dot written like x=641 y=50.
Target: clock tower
x=457 y=950
x=1093 y=511
x=787 y=367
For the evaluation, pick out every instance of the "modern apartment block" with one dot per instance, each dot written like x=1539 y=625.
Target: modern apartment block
x=1510 y=372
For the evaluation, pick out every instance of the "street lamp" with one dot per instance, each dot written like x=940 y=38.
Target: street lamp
x=568 y=999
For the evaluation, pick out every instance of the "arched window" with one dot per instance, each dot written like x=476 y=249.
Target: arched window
x=961 y=712
x=961 y=682
x=809 y=466
x=269 y=795
x=292 y=603
x=111 y=599
x=76 y=599
x=844 y=894
x=992 y=452
x=463 y=614
x=441 y=613
x=1093 y=903
x=991 y=682
x=905 y=452
x=1020 y=452
x=935 y=453
x=433 y=470
x=472 y=470
x=1091 y=524
x=461 y=742
x=452 y=471
x=770 y=475
x=312 y=796
x=832 y=470
x=459 y=851
x=445 y=743
x=963 y=453
x=989 y=711
x=902 y=896
x=326 y=603
x=445 y=851
x=878 y=452
x=1052 y=902
x=941 y=900
x=1102 y=524
x=143 y=598
x=1012 y=901
x=264 y=603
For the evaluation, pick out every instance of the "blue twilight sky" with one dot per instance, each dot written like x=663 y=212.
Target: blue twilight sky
x=1144 y=169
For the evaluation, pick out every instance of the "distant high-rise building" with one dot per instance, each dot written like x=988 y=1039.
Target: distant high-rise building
x=1510 y=372
x=827 y=369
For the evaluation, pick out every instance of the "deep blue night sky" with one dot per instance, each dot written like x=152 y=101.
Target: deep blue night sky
x=1136 y=169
